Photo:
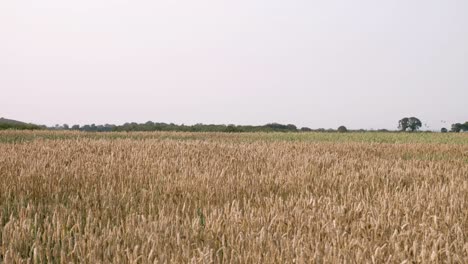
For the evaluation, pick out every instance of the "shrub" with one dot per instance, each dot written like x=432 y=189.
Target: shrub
x=342 y=129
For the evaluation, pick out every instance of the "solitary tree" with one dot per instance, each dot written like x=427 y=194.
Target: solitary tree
x=342 y=129
x=411 y=123
x=443 y=130
x=414 y=123
x=403 y=124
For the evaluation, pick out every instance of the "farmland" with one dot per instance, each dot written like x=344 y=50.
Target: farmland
x=170 y=197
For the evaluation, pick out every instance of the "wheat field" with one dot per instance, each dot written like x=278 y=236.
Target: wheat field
x=71 y=197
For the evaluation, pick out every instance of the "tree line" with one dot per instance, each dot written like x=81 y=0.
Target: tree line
x=407 y=124
x=155 y=126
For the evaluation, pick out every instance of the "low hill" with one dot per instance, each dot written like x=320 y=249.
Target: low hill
x=14 y=124
x=11 y=121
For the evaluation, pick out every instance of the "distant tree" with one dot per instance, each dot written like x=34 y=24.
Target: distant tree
x=66 y=127
x=75 y=127
x=403 y=124
x=306 y=129
x=457 y=127
x=342 y=129
x=411 y=123
x=291 y=127
x=109 y=127
x=414 y=124
x=280 y=127
x=232 y=129
x=443 y=130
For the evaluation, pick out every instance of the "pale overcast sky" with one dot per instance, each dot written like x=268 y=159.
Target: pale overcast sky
x=325 y=63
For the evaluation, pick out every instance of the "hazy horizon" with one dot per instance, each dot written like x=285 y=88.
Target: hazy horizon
x=319 y=64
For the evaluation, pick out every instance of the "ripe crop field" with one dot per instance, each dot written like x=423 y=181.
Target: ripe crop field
x=233 y=198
